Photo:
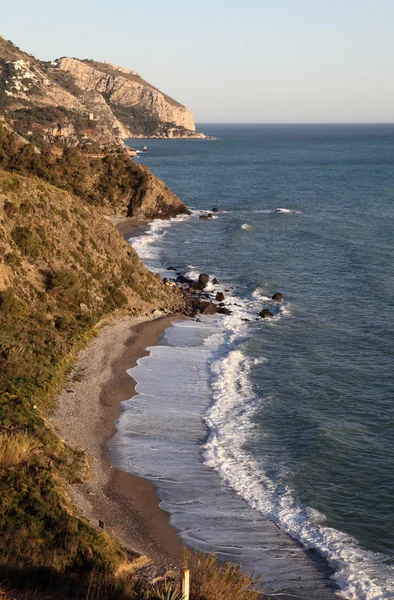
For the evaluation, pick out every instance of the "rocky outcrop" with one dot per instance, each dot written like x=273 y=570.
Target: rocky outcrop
x=154 y=200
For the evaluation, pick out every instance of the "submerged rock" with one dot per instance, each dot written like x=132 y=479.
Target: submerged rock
x=219 y=296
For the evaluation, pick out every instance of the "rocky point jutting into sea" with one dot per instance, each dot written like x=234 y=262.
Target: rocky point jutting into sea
x=84 y=101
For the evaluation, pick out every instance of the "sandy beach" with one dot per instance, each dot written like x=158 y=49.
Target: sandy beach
x=84 y=417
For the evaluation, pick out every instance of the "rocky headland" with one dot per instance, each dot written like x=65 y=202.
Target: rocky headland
x=84 y=101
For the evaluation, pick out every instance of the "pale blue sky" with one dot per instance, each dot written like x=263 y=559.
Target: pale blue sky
x=231 y=61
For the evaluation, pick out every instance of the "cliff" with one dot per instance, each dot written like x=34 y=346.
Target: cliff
x=109 y=180
x=84 y=101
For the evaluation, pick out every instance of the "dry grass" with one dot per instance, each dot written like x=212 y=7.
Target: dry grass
x=17 y=448
x=211 y=580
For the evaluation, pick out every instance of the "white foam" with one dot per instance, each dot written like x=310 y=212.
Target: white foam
x=360 y=574
x=286 y=210
x=246 y=226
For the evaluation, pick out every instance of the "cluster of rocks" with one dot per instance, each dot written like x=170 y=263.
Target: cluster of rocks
x=203 y=302
x=199 y=300
x=268 y=314
x=209 y=215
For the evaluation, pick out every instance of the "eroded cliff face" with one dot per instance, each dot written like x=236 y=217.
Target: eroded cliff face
x=126 y=89
x=82 y=101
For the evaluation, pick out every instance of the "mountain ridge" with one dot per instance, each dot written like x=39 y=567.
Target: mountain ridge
x=83 y=101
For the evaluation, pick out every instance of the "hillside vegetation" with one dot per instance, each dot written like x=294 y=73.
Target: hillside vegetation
x=109 y=179
x=63 y=268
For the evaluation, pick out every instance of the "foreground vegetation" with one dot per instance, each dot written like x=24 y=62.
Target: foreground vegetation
x=210 y=580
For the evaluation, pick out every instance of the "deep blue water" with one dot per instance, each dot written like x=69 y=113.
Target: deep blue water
x=299 y=410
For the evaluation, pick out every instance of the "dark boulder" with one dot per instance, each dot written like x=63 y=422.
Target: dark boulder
x=224 y=311
x=203 y=280
x=246 y=320
x=219 y=296
x=215 y=210
x=278 y=297
x=266 y=314
x=183 y=279
x=208 y=216
x=215 y=281
x=208 y=308
x=196 y=287
x=171 y=269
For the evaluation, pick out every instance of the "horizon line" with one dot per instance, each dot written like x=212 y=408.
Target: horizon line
x=294 y=122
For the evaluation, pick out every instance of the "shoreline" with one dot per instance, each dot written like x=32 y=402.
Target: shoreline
x=87 y=411
x=84 y=418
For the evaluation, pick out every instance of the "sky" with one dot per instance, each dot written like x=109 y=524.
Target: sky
x=256 y=61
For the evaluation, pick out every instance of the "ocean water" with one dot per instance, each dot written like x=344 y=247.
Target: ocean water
x=271 y=442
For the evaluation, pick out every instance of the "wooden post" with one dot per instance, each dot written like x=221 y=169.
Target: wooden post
x=185 y=584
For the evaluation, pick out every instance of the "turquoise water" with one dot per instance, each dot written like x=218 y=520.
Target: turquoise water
x=297 y=412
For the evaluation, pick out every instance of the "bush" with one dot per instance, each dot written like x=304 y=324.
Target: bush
x=27 y=241
x=62 y=278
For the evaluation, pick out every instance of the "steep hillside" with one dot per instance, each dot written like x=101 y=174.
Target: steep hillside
x=83 y=101
x=63 y=268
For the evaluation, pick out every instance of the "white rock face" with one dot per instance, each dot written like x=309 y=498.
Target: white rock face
x=125 y=88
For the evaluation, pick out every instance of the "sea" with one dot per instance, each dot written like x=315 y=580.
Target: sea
x=271 y=441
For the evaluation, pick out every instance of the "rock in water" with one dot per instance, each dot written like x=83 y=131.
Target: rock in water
x=278 y=297
x=219 y=296
x=203 y=280
x=215 y=281
x=208 y=308
x=224 y=311
x=184 y=280
x=266 y=314
x=215 y=210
